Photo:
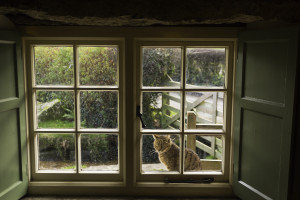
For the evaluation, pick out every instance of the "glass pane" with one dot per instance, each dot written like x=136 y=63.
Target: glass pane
x=56 y=152
x=205 y=67
x=98 y=65
x=53 y=65
x=99 y=152
x=99 y=109
x=204 y=108
x=203 y=153
x=160 y=153
x=161 y=67
x=161 y=110
x=55 y=109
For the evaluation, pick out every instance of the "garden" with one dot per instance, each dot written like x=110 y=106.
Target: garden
x=98 y=66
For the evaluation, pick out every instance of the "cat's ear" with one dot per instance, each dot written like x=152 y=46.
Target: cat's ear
x=155 y=136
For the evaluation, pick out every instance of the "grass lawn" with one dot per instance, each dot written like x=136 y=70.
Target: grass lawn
x=56 y=124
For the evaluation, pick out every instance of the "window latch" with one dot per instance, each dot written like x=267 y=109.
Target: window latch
x=139 y=115
x=202 y=180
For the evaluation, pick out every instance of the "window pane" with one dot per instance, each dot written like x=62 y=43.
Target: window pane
x=205 y=67
x=161 y=67
x=53 y=65
x=204 y=108
x=161 y=110
x=207 y=148
x=99 y=109
x=55 y=109
x=99 y=152
x=160 y=153
x=98 y=65
x=56 y=152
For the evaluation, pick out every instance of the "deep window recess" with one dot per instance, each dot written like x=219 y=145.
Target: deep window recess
x=76 y=127
x=76 y=99
x=184 y=96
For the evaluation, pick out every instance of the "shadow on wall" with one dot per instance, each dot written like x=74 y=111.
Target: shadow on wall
x=6 y=24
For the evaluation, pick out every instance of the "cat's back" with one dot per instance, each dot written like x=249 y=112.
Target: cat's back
x=192 y=161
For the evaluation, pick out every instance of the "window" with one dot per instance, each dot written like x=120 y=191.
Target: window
x=76 y=104
x=80 y=107
x=184 y=93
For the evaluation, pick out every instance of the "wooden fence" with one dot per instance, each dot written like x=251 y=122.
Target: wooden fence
x=216 y=144
x=201 y=113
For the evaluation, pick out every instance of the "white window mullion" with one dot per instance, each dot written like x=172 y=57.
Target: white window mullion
x=182 y=157
x=77 y=110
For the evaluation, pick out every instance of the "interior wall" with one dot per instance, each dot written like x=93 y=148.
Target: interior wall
x=295 y=162
x=6 y=24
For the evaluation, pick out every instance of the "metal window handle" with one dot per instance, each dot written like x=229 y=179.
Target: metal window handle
x=139 y=115
x=202 y=180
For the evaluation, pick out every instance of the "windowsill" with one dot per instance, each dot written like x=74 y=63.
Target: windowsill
x=74 y=172
x=75 y=184
x=139 y=189
x=122 y=184
x=183 y=185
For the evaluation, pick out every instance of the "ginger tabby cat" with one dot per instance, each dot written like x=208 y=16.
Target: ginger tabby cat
x=168 y=154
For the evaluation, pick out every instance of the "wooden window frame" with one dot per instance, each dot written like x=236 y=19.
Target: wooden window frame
x=77 y=175
x=225 y=133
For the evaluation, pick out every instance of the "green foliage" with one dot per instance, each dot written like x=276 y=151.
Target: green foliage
x=153 y=115
x=95 y=148
x=42 y=107
x=99 y=109
x=53 y=65
x=210 y=157
x=159 y=64
x=98 y=65
x=60 y=144
x=61 y=108
x=99 y=148
x=69 y=114
x=205 y=67
x=56 y=124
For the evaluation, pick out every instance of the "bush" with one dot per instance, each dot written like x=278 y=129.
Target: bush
x=99 y=148
x=56 y=147
x=53 y=65
x=99 y=109
x=98 y=66
x=95 y=147
x=205 y=67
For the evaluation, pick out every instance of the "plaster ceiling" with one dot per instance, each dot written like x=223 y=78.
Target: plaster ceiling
x=148 y=13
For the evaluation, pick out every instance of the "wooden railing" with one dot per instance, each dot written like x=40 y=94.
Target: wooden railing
x=216 y=144
x=171 y=119
x=167 y=109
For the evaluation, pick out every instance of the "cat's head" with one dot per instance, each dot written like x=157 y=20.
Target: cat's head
x=161 y=142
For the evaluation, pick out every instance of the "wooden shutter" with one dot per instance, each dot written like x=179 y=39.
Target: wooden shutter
x=263 y=115
x=13 y=146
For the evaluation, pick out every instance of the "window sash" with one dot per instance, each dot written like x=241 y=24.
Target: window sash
x=45 y=175
x=225 y=132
